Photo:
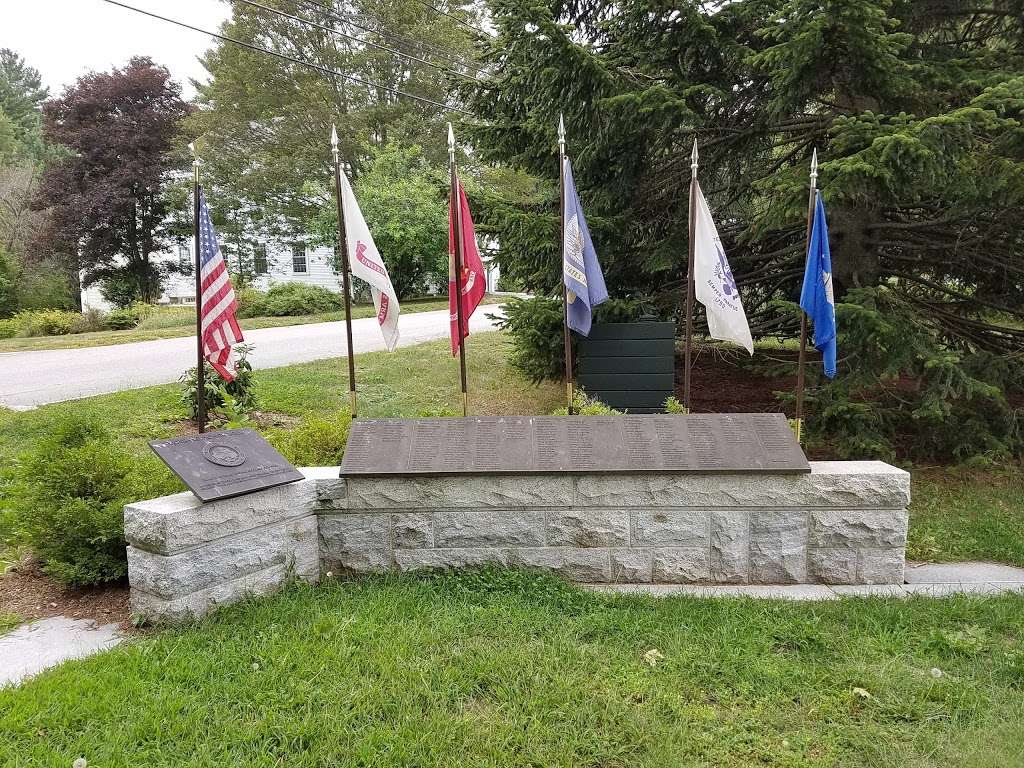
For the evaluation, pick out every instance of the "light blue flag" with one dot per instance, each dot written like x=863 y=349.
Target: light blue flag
x=817 y=298
x=582 y=276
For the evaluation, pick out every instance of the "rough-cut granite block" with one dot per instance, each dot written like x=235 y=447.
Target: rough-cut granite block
x=588 y=528
x=687 y=528
x=836 y=565
x=198 y=604
x=631 y=566
x=575 y=564
x=514 y=528
x=226 y=559
x=681 y=566
x=778 y=547
x=358 y=561
x=443 y=559
x=852 y=484
x=881 y=566
x=412 y=530
x=858 y=528
x=491 y=491
x=171 y=524
x=730 y=547
x=330 y=488
x=354 y=533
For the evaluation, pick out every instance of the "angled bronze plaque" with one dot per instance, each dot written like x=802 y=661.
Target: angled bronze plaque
x=702 y=443
x=217 y=465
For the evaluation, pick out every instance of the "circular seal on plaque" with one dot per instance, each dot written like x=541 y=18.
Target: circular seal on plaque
x=223 y=455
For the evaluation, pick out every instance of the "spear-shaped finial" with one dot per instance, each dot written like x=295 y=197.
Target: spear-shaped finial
x=693 y=159
x=451 y=143
x=814 y=167
x=561 y=133
x=334 y=141
x=195 y=155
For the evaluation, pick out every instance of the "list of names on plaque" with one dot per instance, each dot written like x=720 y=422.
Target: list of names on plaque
x=544 y=444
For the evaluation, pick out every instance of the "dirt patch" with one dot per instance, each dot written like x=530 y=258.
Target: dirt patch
x=260 y=419
x=726 y=381
x=28 y=592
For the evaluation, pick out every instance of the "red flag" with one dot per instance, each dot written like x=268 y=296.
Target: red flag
x=474 y=282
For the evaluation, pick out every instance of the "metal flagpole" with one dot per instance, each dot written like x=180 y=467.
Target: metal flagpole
x=200 y=378
x=688 y=350
x=567 y=340
x=456 y=202
x=811 y=200
x=345 y=273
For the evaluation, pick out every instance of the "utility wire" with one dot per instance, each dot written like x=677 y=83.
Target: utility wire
x=452 y=16
x=331 y=30
x=316 y=7
x=286 y=57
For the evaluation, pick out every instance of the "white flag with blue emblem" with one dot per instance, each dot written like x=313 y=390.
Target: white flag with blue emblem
x=714 y=285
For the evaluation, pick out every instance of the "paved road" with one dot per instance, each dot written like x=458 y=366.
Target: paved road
x=29 y=379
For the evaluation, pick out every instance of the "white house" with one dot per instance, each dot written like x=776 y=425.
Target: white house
x=273 y=263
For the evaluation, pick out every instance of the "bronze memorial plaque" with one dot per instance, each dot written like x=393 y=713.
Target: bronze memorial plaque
x=701 y=443
x=217 y=465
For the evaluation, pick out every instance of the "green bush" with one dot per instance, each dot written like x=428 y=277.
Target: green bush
x=535 y=326
x=166 y=317
x=121 y=319
x=46 y=322
x=317 y=442
x=291 y=299
x=88 y=321
x=70 y=501
x=241 y=391
x=905 y=391
x=585 y=405
x=8 y=328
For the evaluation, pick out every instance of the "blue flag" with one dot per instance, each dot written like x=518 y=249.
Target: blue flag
x=816 y=298
x=582 y=276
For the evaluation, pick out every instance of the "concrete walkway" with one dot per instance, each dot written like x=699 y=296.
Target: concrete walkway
x=928 y=579
x=30 y=379
x=31 y=648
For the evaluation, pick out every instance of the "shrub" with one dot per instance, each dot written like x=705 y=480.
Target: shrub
x=585 y=405
x=45 y=322
x=8 y=328
x=122 y=319
x=250 y=301
x=904 y=390
x=535 y=325
x=290 y=299
x=241 y=390
x=70 y=501
x=90 y=320
x=317 y=442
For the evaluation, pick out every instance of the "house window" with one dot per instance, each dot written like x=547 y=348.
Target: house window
x=184 y=257
x=259 y=260
x=298 y=258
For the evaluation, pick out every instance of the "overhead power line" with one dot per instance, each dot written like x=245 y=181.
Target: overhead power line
x=286 y=57
x=380 y=29
x=331 y=30
x=453 y=17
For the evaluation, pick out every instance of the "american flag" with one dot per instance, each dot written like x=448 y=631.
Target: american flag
x=218 y=305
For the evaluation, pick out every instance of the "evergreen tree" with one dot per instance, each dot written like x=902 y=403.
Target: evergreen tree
x=916 y=108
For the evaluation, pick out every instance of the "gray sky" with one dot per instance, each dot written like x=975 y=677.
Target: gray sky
x=64 y=39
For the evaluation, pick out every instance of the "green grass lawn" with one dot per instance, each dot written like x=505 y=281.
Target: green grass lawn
x=173 y=323
x=509 y=669
x=959 y=514
x=8 y=621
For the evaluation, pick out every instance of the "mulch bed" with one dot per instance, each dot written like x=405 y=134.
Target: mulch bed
x=726 y=381
x=29 y=593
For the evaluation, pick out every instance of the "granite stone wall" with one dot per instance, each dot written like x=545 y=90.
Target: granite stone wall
x=844 y=523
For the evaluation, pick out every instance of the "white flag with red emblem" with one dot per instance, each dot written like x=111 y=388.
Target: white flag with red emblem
x=366 y=264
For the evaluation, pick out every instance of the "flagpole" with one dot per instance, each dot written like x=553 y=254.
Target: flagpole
x=690 y=286
x=200 y=378
x=567 y=336
x=811 y=200
x=345 y=273
x=456 y=207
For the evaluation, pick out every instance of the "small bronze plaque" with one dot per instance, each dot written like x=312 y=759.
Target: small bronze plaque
x=217 y=465
x=701 y=443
